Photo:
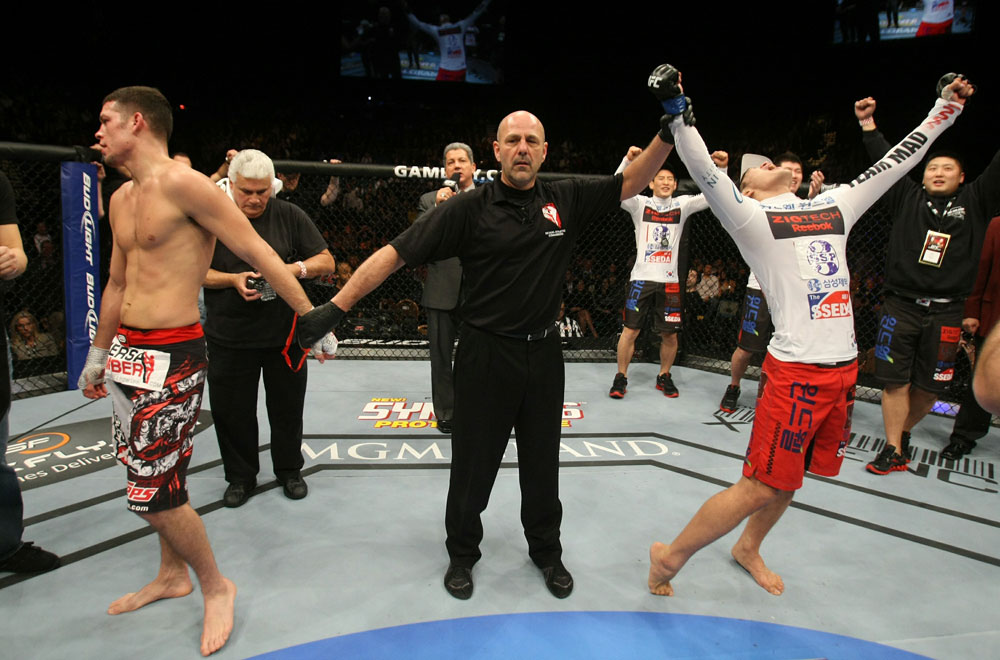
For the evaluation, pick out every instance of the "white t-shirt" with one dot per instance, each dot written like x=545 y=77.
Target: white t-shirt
x=938 y=11
x=450 y=38
x=658 y=225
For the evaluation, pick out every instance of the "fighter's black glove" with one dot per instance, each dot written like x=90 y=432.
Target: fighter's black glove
x=944 y=81
x=665 y=84
x=309 y=329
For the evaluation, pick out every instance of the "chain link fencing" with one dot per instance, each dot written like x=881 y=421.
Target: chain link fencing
x=33 y=308
x=359 y=208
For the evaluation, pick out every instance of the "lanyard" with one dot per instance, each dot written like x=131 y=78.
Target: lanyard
x=937 y=214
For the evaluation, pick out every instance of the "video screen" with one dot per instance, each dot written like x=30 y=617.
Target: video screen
x=859 y=21
x=457 y=41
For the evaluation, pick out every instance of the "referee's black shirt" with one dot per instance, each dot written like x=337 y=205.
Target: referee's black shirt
x=515 y=246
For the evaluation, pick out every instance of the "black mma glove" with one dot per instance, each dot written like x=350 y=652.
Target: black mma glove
x=946 y=80
x=309 y=329
x=665 y=85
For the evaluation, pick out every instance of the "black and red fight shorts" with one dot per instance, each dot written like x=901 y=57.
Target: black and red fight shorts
x=156 y=379
x=918 y=344
x=802 y=421
x=755 y=322
x=662 y=299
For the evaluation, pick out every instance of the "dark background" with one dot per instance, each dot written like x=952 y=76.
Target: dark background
x=751 y=73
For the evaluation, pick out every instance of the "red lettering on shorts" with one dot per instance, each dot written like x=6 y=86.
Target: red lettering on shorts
x=950 y=335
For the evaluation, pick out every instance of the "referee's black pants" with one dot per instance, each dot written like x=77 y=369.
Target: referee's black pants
x=233 y=378
x=503 y=383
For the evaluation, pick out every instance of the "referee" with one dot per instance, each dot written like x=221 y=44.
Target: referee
x=515 y=238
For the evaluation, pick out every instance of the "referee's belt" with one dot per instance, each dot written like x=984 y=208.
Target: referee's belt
x=527 y=336
x=926 y=302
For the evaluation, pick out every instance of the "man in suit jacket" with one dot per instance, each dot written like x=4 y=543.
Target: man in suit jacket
x=441 y=291
x=982 y=311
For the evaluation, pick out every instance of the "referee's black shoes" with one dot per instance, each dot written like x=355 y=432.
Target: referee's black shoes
x=558 y=580
x=294 y=487
x=237 y=494
x=458 y=581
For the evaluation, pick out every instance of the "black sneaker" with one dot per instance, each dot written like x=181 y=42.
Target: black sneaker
x=665 y=384
x=619 y=387
x=730 y=400
x=30 y=559
x=904 y=445
x=887 y=461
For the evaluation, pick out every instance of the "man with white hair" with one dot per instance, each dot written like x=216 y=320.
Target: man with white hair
x=246 y=327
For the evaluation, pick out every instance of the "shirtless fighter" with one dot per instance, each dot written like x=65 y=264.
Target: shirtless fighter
x=806 y=394
x=164 y=222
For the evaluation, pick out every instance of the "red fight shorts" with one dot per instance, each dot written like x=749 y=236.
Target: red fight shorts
x=451 y=75
x=802 y=422
x=156 y=379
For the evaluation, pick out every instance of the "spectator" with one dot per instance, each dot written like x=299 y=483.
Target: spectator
x=27 y=342
x=568 y=328
x=580 y=303
x=41 y=235
x=709 y=288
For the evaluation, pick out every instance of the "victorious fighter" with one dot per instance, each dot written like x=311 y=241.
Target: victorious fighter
x=806 y=394
x=149 y=342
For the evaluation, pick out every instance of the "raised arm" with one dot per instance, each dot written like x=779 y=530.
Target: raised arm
x=476 y=13
x=643 y=168
x=732 y=209
x=630 y=155
x=424 y=27
x=677 y=125
x=871 y=184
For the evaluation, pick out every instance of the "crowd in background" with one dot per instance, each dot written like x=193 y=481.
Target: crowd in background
x=357 y=215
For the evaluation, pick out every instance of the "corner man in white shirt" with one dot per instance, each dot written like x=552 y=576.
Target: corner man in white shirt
x=653 y=285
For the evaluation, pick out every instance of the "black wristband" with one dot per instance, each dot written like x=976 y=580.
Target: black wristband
x=665 y=133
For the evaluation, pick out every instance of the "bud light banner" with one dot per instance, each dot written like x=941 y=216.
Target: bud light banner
x=81 y=262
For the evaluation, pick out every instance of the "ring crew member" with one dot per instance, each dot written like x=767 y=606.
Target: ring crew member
x=246 y=329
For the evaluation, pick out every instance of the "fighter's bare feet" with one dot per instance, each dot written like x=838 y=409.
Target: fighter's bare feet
x=660 y=574
x=753 y=564
x=218 y=618
x=174 y=585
